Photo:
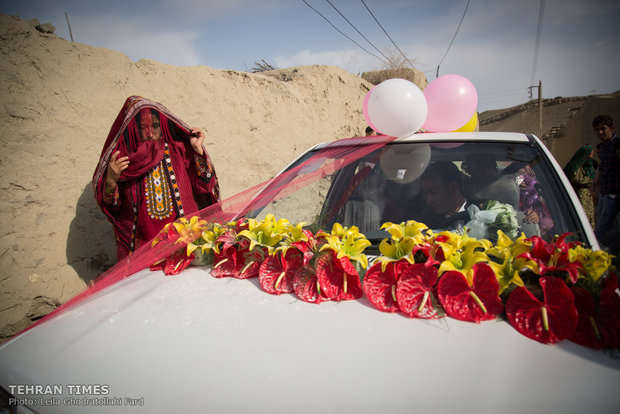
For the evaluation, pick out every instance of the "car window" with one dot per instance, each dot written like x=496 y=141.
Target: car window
x=468 y=186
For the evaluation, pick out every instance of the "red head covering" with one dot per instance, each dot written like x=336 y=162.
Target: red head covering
x=136 y=117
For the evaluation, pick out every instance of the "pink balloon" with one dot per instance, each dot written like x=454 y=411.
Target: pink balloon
x=365 y=108
x=452 y=100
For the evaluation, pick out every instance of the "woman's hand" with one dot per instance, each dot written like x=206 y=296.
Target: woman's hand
x=197 y=138
x=115 y=168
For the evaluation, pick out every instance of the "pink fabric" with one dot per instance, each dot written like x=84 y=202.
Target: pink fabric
x=341 y=153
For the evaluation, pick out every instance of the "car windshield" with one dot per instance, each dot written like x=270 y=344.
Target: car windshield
x=478 y=187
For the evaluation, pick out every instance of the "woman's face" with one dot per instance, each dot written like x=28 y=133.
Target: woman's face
x=149 y=126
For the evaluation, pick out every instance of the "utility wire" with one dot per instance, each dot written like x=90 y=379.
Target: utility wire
x=360 y=33
x=340 y=31
x=541 y=11
x=453 y=37
x=386 y=33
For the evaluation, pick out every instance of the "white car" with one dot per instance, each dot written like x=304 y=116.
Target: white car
x=195 y=343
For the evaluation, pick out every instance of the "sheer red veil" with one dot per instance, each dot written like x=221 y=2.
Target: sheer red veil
x=338 y=153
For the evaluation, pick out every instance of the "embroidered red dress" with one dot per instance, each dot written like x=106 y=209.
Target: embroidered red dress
x=165 y=180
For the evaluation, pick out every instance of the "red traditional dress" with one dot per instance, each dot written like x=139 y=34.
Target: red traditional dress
x=166 y=179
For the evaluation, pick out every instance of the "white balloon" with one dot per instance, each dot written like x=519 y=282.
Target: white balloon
x=405 y=163
x=397 y=107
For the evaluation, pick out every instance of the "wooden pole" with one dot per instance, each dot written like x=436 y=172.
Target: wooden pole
x=540 y=108
x=69 y=24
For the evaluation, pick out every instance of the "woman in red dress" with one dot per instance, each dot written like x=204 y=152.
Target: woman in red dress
x=153 y=170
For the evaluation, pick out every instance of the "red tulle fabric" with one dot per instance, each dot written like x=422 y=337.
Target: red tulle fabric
x=324 y=162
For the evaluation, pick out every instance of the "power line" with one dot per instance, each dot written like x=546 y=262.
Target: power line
x=342 y=33
x=541 y=10
x=360 y=33
x=453 y=37
x=386 y=33
x=501 y=92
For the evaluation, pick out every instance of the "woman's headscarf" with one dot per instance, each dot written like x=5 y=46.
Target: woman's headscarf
x=125 y=137
x=581 y=159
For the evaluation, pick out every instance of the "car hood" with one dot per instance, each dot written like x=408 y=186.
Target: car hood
x=197 y=343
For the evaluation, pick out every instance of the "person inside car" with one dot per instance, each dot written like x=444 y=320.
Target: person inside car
x=485 y=183
x=442 y=188
x=533 y=214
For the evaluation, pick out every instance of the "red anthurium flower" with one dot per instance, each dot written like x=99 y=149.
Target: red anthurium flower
x=476 y=303
x=587 y=332
x=543 y=250
x=598 y=326
x=308 y=248
x=338 y=278
x=380 y=287
x=435 y=249
x=277 y=272
x=549 y=321
x=306 y=286
x=174 y=264
x=252 y=260
x=225 y=262
x=415 y=291
x=235 y=255
x=553 y=256
x=236 y=261
x=426 y=249
x=169 y=232
x=607 y=316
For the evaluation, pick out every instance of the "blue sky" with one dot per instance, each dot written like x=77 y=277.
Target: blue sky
x=579 y=49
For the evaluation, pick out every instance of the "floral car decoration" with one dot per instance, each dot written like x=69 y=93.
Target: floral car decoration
x=548 y=291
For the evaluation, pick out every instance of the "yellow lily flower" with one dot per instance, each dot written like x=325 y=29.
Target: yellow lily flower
x=292 y=234
x=595 y=262
x=508 y=264
x=296 y=232
x=266 y=233
x=461 y=253
x=347 y=242
x=339 y=230
x=392 y=250
x=516 y=248
x=210 y=239
x=189 y=230
x=410 y=228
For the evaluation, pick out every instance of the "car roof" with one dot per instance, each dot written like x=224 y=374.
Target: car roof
x=437 y=137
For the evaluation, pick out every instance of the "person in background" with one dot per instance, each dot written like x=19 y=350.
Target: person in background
x=581 y=170
x=611 y=240
x=606 y=187
x=153 y=169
